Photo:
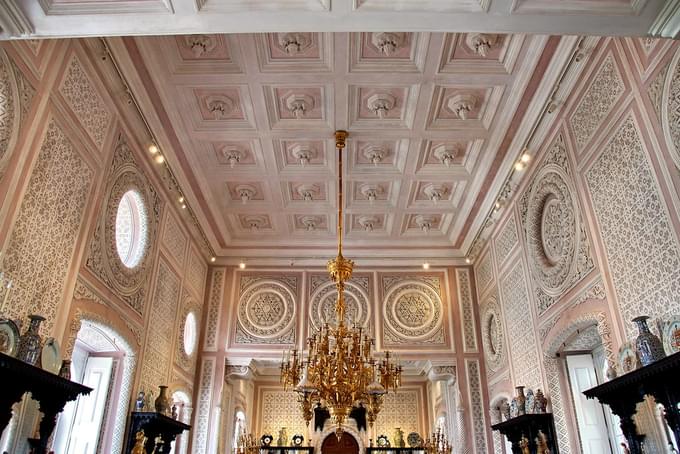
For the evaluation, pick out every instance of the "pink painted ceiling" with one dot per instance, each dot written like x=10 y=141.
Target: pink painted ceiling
x=254 y=114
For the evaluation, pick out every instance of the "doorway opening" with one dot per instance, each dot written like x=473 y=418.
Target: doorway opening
x=182 y=404
x=585 y=362
x=94 y=423
x=346 y=445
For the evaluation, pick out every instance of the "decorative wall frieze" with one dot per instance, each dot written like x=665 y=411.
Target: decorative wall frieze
x=130 y=284
x=477 y=413
x=214 y=309
x=493 y=336
x=467 y=310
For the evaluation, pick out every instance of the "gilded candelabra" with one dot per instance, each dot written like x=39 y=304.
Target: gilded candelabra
x=247 y=444
x=437 y=443
x=338 y=369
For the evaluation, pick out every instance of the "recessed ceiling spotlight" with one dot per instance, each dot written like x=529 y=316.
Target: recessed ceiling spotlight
x=519 y=166
x=153 y=148
x=184 y=206
x=181 y=199
x=242 y=265
x=468 y=260
x=526 y=157
x=213 y=258
x=159 y=159
x=426 y=266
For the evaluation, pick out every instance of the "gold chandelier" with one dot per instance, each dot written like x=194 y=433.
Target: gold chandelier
x=338 y=371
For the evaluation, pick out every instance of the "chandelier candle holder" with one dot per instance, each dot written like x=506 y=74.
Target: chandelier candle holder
x=339 y=370
x=437 y=443
x=247 y=444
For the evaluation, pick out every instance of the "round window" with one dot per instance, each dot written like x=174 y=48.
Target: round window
x=190 y=333
x=131 y=229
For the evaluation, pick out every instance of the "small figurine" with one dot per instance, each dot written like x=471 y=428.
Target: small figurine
x=505 y=410
x=540 y=402
x=542 y=444
x=174 y=411
x=158 y=445
x=140 y=440
x=524 y=444
x=148 y=402
x=139 y=403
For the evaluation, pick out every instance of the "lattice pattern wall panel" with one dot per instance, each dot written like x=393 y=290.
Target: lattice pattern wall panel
x=279 y=409
x=466 y=310
x=205 y=393
x=214 y=305
x=160 y=331
x=484 y=273
x=85 y=101
x=597 y=102
x=196 y=273
x=477 y=413
x=506 y=240
x=521 y=334
x=174 y=239
x=642 y=251
x=45 y=232
x=401 y=409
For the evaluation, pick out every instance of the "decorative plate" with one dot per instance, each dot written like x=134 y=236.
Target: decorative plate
x=51 y=356
x=298 y=439
x=266 y=439
x=9 y=337
x=671 y=336
x=628 y=358
x=414 y=439
x=383 y=441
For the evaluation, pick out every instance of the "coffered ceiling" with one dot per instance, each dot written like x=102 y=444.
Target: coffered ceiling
x=430 y=115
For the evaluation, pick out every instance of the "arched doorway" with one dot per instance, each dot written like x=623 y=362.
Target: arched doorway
x=346 y=445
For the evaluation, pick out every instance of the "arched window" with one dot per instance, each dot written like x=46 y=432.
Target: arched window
x=131 y=229
x=190 y=334
x=239 y=425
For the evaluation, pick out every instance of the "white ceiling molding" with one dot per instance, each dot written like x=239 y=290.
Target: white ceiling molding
x=667 y=23
x=67 y=18
x=13 y=22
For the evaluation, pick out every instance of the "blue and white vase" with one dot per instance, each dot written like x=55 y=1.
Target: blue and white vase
x=649 y=347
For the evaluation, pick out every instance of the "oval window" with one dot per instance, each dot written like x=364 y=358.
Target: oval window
x=131 y=229
x=190 y=333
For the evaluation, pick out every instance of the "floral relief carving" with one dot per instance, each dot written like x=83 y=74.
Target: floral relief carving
x=493 y=337
x=522 y=344
x=557 y=244
x=641 y=248
x=86 y=102
x=214 y=303
x=476 y=405
x=266 y=312
x=174 y=239
x=598 y=101
x=413 y=311
x=130 y=284
x=156 y=362
x=196 y=273
x=467 y=311
x=9 y=107
x=44 y=236
x=323 y=296
x=655 y=90
x=671 y=110
x=484 y=273
x=506 y=241
x=205 y=392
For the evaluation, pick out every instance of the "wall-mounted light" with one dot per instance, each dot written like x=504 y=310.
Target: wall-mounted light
x=242 y=265
x=426 y=266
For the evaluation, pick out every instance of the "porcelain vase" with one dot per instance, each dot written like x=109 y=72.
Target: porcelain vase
x=521 y=400
x=162 y=404
x=649 y=347
x=30 y=343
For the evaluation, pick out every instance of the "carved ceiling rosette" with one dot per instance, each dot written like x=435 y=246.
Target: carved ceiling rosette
x=413 y=312
x=323 y=297
x=552 y=229
x=103 y=259
x=266 y=313
x=9 y=110
x=493 y=338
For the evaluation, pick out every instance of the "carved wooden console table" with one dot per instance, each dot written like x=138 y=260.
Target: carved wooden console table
x=154 y=425
x=528 y=426
x=623 y=393
x=50 y=390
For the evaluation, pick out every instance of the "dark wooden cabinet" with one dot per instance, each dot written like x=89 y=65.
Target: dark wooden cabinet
x=50 y=390
x=623 y=393
x=154 y=425
x=529 y=426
